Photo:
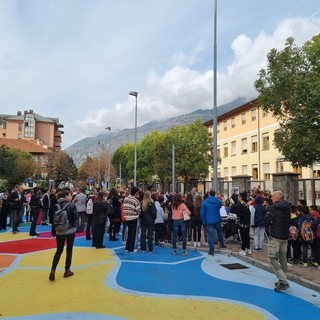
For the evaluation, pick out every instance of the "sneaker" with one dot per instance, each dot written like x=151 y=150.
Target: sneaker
x=184 y=253
x=281 y=286
x=223 y=246
x=211 y=253
x=242 y=252
x=174 y=252
x=289 y=264
x=248 y=251
x=255 y=248
x=314 y=263
x=259 y=249
x=198 y=244
x=304 y=264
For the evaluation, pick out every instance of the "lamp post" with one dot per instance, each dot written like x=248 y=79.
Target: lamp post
x=135 y=94
x=215 y=112
x=99 y=180
x=109 y=158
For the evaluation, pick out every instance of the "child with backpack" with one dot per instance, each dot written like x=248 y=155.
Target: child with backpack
x=294 y=239
x=306 y=234
x=315 y=246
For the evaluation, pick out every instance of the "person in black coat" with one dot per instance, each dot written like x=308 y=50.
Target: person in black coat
x=148 y=215
x=100 y=209
x=34 y=203
x=114 y=214
x=5 y=211
x=278 y=219
x=17 y=201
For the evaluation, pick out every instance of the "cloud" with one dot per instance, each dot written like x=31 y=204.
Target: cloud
x=181 y=89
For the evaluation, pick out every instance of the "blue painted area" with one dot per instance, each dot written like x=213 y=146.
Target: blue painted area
x=188 y=279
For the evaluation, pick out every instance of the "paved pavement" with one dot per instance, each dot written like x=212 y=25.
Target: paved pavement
x=110 y=284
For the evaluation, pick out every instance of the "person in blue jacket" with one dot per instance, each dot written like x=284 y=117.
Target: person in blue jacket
x=211 y=218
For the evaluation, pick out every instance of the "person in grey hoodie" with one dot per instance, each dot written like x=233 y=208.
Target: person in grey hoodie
x=211 y=218
x=159 y=225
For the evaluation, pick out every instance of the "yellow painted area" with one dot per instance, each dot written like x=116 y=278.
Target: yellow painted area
x=86 y=292
x=9 y=236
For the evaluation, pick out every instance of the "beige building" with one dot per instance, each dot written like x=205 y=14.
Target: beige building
x=32 y=126
x=245 y=146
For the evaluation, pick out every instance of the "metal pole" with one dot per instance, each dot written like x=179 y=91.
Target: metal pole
x=173 y=173
x=135 y=94
x=109 y=158
x=99 y=180
x=215 y=113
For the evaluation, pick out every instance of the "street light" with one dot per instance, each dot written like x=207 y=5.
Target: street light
x=99 y=181
x=109 y=158
x=215 y=111
x=135 y=94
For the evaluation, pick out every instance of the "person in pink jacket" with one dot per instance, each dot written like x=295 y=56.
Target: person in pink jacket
x=179 y=223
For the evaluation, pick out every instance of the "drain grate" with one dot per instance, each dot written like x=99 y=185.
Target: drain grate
x=234 y=266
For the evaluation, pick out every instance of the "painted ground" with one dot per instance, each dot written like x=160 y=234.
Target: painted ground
x=110 y=284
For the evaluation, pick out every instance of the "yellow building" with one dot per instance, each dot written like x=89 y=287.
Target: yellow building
x=245 y=146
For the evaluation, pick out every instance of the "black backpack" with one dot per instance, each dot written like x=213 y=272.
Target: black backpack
x=61 y=220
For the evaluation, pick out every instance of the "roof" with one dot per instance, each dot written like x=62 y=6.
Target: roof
x=235 y=110
x=24 y=145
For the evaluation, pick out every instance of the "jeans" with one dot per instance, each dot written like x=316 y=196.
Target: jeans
x=147 y=233
x=60 y=240
x=210 y=230
x=179 y=224
x=258 y=237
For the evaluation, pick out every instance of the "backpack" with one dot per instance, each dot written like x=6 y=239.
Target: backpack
x=293 y=233
x=306 y=231
x=112 y=210
x=61 y=219
x=89 y=209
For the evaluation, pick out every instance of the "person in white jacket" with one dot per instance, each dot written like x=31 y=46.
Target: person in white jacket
x=159 y=222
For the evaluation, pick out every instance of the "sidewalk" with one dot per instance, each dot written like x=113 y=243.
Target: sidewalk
x=308 y=277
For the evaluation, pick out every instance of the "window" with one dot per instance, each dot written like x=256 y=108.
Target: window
x=316 y=173
x=19 y=135
x=265 y=141
x=225 y=125
x=233 y=148
x=266 y=171
x=20 y=126
x=298 y=170
x=218 y=128
x=233 y=122
x=244 y=146
x=225 y=150
x=253 y=114
x=264 y=114
x=225 y=172
x=233 y=171
x=245 y=169
x=4 y=124
x=255 y=173
x=29 y=125
x=254 y=144
x=218 y=153
x=243 y=118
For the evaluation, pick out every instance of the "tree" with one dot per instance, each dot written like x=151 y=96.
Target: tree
x=289 y=88
x=61 y=167
x=192 y=150
x=7 y=163
x=88 y=168
x=124 y=156
x=25 y=166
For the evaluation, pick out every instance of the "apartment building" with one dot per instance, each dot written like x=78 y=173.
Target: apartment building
x=246 y=147
x=32 y=126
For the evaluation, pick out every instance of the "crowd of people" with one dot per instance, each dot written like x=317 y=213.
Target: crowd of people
x=151 y=218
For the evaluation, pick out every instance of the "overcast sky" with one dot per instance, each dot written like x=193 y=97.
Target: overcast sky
x=78 y=59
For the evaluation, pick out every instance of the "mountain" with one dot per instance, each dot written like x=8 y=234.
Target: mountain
x=89 y=146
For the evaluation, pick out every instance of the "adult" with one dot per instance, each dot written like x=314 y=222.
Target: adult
x=148 y=215
x=45 y=201
x=16 y=199
x=89 y=214
x=159 y=224
x=114 y=214
x=131 y=212
x=179 y=209
x=5 y=210
x=258 y=213
x=100 y=209
x=211 y=218
x=35 y=202
x=53 y=202
x=80 y=202
x=278 y=220
x=65 y=236
x=196 y=223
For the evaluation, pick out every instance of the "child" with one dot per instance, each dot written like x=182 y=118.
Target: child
x=315 y=245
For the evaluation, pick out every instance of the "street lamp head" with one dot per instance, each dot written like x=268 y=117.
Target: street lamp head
x=133 y=93
x=108 y=128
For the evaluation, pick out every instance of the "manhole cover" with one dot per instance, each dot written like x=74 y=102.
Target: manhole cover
x=234 y=266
